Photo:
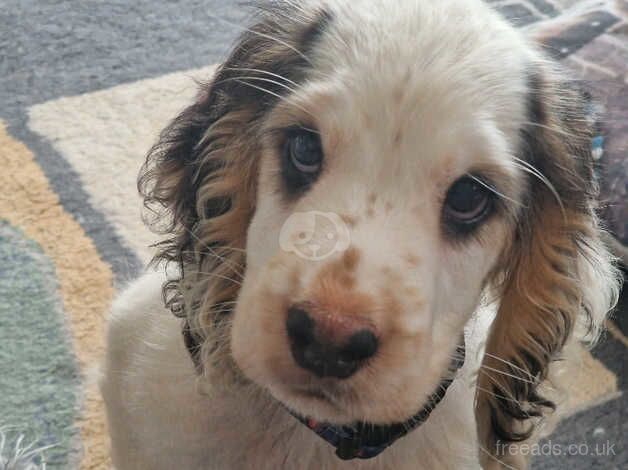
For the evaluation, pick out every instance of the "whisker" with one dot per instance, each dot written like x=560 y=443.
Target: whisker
x=209 y=248
x=509 y=363
x=261 y=79
x=507 y=374
x=549 y=128
x=512 y=398
x=496 y=395
x=226 y=247
x=281 y=98
x=219 y=276
x=262 y=35
x=266 y=72
x=303 y=15
x=525 y=166
x=232 y=265
x=493 y=190
x=298 y=7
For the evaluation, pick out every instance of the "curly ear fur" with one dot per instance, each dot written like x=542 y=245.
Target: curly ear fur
x=559 y=278
x=199 y=180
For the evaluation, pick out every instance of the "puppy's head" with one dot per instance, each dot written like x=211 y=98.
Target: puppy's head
x=353 y=180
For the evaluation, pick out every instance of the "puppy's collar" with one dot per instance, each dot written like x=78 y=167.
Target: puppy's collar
x=365 y=440
x=360 y=440
x=192 y=345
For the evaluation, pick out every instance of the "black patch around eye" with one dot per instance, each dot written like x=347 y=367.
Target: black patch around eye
x=301 y=155
x=468 y=203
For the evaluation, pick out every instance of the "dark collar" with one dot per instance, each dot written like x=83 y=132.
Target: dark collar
x=359 y=440
x=192 y=344
x=365 y=440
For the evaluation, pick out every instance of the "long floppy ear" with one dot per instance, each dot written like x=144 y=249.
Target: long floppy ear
x=199 y=180
x=558 y=278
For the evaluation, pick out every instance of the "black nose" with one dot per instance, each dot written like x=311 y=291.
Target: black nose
x=314 y=350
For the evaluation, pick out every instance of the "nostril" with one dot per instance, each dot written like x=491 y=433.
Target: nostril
x=361 y=346
x=323 y=351
x=300 y=327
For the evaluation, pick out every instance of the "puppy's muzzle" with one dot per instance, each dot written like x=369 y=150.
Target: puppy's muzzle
x=329 y=345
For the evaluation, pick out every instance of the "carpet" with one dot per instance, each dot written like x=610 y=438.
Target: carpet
x=85 y=88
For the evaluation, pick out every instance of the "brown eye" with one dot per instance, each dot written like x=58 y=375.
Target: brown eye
x=468 y=202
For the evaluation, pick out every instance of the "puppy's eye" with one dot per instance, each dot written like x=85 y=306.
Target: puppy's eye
x=302 y=158
x=468 y=202
x=304 y=150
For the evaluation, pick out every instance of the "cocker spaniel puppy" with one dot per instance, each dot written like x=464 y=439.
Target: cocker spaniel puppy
x=382 y=218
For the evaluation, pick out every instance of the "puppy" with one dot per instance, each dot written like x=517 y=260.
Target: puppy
x=382 y=219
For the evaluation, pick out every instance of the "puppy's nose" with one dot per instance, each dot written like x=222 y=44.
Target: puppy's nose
x=327 y=345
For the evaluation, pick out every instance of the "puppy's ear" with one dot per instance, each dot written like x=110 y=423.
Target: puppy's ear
x=558 y=276
x=199 y=180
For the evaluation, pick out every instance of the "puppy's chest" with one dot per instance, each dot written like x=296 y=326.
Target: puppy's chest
x=277 y=441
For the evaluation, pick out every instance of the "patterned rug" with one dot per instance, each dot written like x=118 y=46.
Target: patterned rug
x=85 y=87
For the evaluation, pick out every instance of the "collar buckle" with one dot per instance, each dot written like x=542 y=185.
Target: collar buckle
x=348 y=448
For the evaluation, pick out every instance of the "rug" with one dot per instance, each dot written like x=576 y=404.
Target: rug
x=85 y=88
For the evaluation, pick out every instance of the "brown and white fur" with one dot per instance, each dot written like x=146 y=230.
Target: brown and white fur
x=407 y=97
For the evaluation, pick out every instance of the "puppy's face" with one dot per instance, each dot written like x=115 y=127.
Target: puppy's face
x=387 y=187
x=373 y=166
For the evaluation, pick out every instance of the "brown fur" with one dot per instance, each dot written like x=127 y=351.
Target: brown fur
x=349 y=220
x=412 y=260
x=200 y=178
x=542 y=281
x=334 y=284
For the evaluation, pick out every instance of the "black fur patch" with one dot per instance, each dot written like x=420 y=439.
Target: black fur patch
x=311 y=35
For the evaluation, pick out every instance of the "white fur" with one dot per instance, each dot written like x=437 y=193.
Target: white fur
x=408 y=96
x=160 y=419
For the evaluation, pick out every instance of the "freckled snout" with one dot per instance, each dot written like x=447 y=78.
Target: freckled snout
x=329 y=345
